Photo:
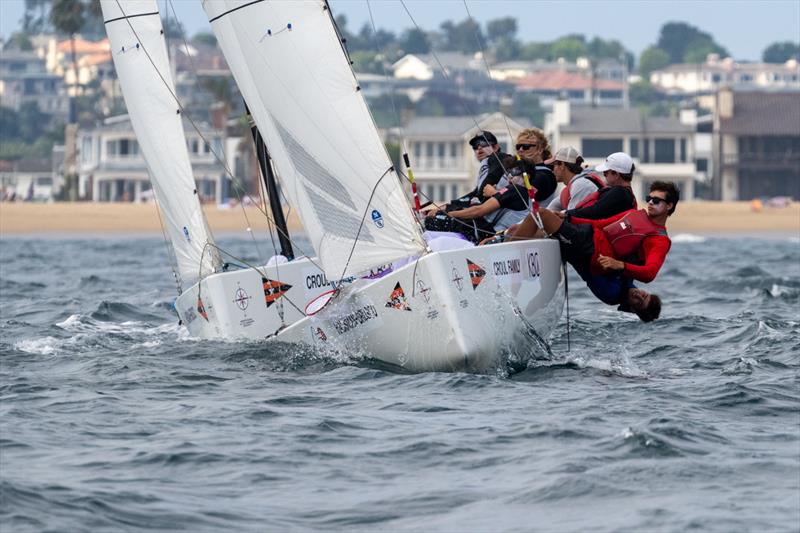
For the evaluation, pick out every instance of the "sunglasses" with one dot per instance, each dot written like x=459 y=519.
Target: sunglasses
x=558 y=163
x=479 y=145
x=525 y=146
x=655 y=200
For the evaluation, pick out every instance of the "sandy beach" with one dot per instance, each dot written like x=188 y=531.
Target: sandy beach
x=18 y=219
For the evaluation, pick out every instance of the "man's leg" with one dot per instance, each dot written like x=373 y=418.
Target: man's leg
x=528 y=229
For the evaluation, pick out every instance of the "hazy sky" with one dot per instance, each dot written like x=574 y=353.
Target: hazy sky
x=744 y=27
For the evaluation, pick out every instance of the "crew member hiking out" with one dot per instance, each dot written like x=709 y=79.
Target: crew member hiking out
x=633 y=243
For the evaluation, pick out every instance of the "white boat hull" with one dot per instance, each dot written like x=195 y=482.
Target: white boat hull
x=466 y=309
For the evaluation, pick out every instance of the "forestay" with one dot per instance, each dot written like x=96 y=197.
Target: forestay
x=140 y=59
x=290 y=67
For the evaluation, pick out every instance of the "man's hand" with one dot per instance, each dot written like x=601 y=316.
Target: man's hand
x=489 y=191
x=610 y=263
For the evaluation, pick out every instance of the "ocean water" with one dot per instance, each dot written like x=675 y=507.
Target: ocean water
x=113 y=419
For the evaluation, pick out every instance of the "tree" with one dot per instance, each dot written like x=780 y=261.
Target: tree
x=677 y=39
x=506 y=48
x=653 y=58
x=570 y=48
x=20 y=41
x=35 y=18
x=781 y=52
x=533 y=51
x=462 y=37
x=503 y=28
x=67 y=17
x=205 y=37
x=525 y=104
x=414 y=41
x=642 y=93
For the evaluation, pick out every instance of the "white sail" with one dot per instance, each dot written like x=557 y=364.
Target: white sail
x=140 y=59
x=290 y=67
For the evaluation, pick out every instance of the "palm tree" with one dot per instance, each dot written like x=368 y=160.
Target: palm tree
x=68 y=17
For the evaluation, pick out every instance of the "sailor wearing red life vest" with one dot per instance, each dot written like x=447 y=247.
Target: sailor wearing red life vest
x=578 y=183
x=633 y=243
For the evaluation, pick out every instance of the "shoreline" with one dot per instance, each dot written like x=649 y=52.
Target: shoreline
x=74 y=220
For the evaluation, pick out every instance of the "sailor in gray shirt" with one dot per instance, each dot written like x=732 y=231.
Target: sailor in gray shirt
x=579 y=184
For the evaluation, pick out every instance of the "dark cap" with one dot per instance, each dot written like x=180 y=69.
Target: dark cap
x=483 y=136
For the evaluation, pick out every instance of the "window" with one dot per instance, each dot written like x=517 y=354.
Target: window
x=111 y=148
x=665 y=151
x=646 y=151
x=429 y=149
x=417 y=150
x=454 y=191
x=635 y=148
x=441 y=150
x=442 y=193
x=701 y=164
x=600 y=147
x=44 y=181
x=453 y=149
x=745 y=78
x=716 y=78
x=683 y=150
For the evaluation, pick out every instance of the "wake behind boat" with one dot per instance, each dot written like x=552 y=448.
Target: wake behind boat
x=375 y=286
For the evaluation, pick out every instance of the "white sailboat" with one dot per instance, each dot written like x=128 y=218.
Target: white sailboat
x=375 y=287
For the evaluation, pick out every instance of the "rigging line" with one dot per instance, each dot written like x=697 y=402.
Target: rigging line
x=463 y=102
x=566 y=295
x=456 y=219
x=489 y=74
x=228 y=172
x=262 y=274
x=361 y=225
x=334 y=111
x=173 y=261
x=386 y=77
x=234 y=181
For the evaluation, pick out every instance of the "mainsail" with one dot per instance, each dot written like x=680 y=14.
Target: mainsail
x=290 y=67
x=140 y=58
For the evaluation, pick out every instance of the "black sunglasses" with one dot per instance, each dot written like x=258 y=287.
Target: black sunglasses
x=479 y=145
x=525 y=146
x=655 y=200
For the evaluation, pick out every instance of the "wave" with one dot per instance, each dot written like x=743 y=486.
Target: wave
x=688 y=238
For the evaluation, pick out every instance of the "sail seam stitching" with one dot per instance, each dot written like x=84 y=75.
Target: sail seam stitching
x=124 y=17
x=235 y=9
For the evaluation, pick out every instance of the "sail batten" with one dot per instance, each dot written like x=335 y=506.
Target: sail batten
x=140 y=58
x=290 y=67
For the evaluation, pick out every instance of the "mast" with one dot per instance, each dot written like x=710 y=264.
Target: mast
x=272 y=189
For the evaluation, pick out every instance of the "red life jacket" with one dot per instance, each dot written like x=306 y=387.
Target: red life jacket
x=566 y=192
x=592 y=199
x=626 y=234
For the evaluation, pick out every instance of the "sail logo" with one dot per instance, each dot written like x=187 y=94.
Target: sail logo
x=186 y=234
x=377 y=218
x=476 y=274
x=273 y=290
x=398 y=299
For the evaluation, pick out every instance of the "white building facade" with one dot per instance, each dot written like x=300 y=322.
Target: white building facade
x=111 y=168
x=662 y=148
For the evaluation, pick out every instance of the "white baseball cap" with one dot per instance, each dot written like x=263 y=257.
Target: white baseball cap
x=568 y=154
x=618 y=161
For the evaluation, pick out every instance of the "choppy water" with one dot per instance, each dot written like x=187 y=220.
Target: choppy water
x=112 y=419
